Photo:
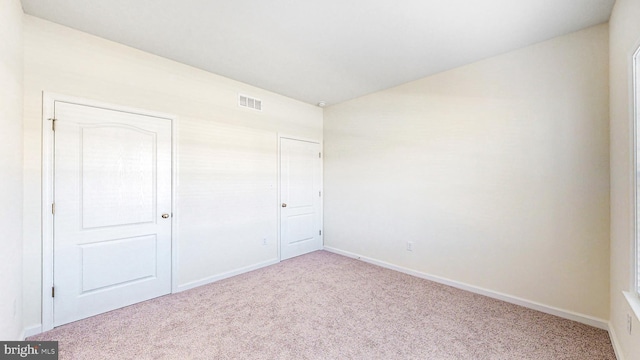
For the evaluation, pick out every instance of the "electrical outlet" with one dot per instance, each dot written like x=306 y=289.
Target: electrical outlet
x=264 y=241
x=409 y=245
x=629 y=323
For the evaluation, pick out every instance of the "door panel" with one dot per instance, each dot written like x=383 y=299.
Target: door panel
x=118 y=185
x=112 y=183
x=136 y=259
x=300 y=228
x=300 y=192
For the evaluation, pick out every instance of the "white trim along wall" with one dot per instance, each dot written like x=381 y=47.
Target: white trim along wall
x=566 y=314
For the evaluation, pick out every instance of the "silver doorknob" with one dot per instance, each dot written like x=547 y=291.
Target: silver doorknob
x=284 y=205
x=165 y=216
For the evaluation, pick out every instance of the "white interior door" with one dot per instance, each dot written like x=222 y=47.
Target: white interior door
x=112 y=225
x=300 y=217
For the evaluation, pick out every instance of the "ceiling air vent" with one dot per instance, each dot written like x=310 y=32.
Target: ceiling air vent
x=249 y=102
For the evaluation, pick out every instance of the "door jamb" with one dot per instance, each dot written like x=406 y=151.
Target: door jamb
x=48 y=107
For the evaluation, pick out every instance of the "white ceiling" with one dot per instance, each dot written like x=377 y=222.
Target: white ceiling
x=324 y=50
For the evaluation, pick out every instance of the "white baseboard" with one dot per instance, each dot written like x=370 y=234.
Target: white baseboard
x=614 y=341
x=32 y=330
x=228 y=274
x=566 y=314
x=37 y=329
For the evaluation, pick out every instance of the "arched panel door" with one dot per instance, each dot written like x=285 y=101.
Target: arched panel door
x=112 y=197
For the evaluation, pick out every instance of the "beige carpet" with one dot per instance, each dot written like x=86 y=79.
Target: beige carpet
x=326 y=306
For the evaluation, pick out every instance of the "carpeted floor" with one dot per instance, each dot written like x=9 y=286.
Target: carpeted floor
x=326 y=306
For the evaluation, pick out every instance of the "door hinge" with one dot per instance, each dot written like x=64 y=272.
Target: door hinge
x=53 y=124
x=320 y=155
x=319 y=193
x=53 y=208
x=53 y=291
x=319 y=232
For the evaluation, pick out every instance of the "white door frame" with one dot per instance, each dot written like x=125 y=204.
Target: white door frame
x=319 y=142
x=48 y=100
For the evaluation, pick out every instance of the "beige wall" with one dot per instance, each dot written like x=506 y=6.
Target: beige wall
x=497 y=171
x=11 y=173
x=624 y=39
x=227 y=163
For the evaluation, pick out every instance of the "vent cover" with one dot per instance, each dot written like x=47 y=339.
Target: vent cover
x=249 y=102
